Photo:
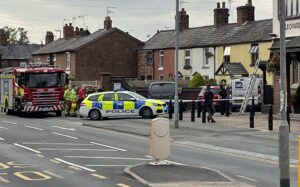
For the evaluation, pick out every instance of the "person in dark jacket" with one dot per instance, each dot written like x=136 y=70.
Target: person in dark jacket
x=208 y=97
x=223 y=95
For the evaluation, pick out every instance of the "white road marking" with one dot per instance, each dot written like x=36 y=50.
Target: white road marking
x=250 y=179
x=122 y=185
x=108 y=146
x=34 y=128
x=53 y=174
x=98 y=176
x=2 y=139
x=68 y=129
x=63 y=149
x=42 y=143
x=113 y=158
x=9 y=122
x=71 y=164
x=169 y=161
x=65 y=135
x=107 y=165
x=27 y=148
x=3 y=127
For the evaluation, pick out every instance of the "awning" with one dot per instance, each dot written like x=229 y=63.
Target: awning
x=232 y=69
x=292 y=45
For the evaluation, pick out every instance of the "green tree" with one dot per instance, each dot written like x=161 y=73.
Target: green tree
x=196 y=81
x=16 y=36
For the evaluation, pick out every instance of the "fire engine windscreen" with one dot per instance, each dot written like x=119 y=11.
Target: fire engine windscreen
x=44 y=80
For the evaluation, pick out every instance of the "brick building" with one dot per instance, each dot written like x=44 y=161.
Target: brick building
x=107 y=55
x=13 y=55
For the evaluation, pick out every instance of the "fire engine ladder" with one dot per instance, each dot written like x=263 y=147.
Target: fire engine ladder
x=249 y=89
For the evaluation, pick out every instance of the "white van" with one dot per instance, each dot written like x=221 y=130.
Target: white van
x=238 y=90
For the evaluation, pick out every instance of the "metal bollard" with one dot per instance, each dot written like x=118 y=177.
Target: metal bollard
x=270 y=122
x=288 y=118
x=170 y=109
x=251 y=116
x=199 y=109
x=193 y=112
x=203 y=113
x=180 y=110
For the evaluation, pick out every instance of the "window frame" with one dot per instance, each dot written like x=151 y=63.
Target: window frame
x=68 y=61
x=226 y=54
x=161 y=59
x=254 y=52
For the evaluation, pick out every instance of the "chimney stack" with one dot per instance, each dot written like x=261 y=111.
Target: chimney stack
x=183 y=20
x=49 y=37
x=221 y=15
x=245 y=13
x=107 y=23
x=68 y=31
x=81 y=32
x=3 y=38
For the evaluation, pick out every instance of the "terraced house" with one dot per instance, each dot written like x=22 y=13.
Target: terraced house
x=106 y=56
x=218 y=51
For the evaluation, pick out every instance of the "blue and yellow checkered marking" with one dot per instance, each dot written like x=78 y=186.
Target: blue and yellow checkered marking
x=97 y=104
x=139 y=104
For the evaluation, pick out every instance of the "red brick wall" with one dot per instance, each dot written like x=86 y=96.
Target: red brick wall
x=144 y=69
x=168 y=67
x=115 y=53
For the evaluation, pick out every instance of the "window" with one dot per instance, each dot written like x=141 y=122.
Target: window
x=142 y=77
x=149 y=58
x=207 y=55
x=149 y=77
x=187 y=78
x=161 y=58
x=292 y=8
x=54 y=59
x=93 y=98
x=125 y=97
x=161 y=77
x=294 y=72
x=227 y=54
x=109 y=97
x=68 y=61
x=254 y=53
x=187 y=59
x=48 y=59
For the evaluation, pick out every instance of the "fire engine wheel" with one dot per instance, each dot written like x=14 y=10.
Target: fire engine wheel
x=58 y=113
x=95 y=114
x=146 y=113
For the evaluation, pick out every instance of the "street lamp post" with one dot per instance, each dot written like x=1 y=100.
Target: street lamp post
x=283 y=139
x=176 y=105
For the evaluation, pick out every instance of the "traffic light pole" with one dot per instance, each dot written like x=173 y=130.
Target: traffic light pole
x=283 y=139
x=176 y=105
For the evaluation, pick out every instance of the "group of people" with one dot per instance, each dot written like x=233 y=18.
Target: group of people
x=224 y=94
x=73 y=98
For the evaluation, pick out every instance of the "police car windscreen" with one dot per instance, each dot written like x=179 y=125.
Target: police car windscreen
x=44 y=80
x=138 y=96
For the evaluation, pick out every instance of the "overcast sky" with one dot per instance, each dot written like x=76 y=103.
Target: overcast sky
x=140 y=18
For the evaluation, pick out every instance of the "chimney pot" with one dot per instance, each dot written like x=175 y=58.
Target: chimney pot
x=221 y=15
x=183 y=20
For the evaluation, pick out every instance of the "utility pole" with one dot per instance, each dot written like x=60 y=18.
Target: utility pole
x=176 y=120
x=283 y=139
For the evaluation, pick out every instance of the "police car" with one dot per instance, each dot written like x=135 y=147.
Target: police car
x=120 y=104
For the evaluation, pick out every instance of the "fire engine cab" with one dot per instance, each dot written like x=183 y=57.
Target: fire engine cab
x=33 y=88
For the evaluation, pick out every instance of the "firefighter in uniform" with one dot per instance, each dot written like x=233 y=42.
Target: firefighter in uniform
x=73 y=101
x=67 y=100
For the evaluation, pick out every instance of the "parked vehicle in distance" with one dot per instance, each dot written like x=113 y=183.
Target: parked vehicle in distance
x=238 y=90
x=215 y=90
x=162 y=90
x=120 y=104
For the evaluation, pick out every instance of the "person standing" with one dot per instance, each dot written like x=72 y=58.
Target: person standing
x=73 y=102
x=208 y=97
x=81 y=96
x=67 y=100
x=223 y=96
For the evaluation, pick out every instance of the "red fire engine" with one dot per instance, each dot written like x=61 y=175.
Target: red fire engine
x=35 y=88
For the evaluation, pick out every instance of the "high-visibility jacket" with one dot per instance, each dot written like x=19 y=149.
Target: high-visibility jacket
x=73 y=95
x=67 y=94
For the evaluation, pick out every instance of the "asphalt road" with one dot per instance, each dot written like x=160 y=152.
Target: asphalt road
x=55 y=151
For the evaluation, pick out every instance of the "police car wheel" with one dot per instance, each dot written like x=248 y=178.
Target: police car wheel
x=146 y=113
x=95 y=115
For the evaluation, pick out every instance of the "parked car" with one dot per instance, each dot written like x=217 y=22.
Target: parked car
x=120 y=104
x=215 y=90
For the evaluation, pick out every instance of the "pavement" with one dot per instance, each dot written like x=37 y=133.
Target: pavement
x=188 y=134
